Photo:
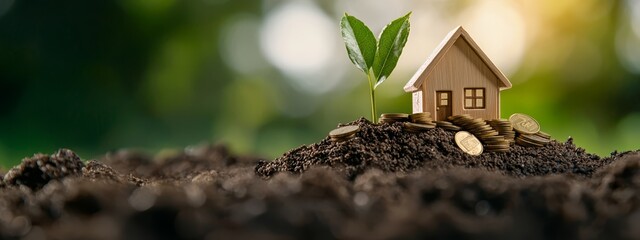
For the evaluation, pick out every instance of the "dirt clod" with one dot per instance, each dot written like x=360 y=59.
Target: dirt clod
x=38 y=170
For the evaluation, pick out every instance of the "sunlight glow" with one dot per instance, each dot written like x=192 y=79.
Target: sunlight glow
x=627 y=40
x=499 y=29
x=239 y=44
x=300 y=40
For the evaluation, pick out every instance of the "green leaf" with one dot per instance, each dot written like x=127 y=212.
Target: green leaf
x=392 y=40
x=360 y=42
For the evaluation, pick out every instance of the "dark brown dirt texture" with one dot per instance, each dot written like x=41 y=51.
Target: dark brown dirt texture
x=383 y=184
x=37 y=171
x=390 y=148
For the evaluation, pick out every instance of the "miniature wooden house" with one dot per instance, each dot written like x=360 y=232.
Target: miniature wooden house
x=458 y=78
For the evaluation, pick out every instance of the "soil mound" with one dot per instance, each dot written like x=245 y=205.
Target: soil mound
x=176 y=165
x=389 y=147
x=206 y=192
x=38 y=170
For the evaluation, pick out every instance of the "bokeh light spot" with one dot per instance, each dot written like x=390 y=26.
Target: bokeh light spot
x=628 y=38
x=300 y=40
x=634 y=11
x=239 y=45
x=499 y=29
x=296 y=38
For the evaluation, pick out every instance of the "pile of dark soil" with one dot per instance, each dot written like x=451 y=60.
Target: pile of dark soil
x=389 y=147
x=383 y=184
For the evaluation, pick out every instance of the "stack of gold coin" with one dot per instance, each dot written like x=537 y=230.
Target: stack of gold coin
x=344 y=133
x=486 y=134
x=543 y=135
x=528 y=130
x=418 y=127
x=457 y=117
x=496 y=144
x=423 y=117
x=531 y=140
x=504 y=128
x=446 y=125
x=468 y=143
x=524 y=124
x=467 y=122
x=393 y=117
x=477 y=126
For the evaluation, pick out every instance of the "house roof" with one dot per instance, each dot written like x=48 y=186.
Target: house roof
x=441 y=50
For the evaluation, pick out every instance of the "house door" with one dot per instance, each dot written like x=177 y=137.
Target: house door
x=443 y=105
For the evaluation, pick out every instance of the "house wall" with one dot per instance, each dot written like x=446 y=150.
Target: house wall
x=418 y=102
x=462 y=68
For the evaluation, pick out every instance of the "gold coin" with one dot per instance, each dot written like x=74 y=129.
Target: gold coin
x=481 y=128
x=424 y=117
x=468 y=143
x=534 y=139
x=419 y=115
x=416 y=127
x=451 y=128
x=486 y=133
x=394 y=115
x=524 y=123
x=497 y=145
x=344 y=131
x=386 y=120
x=342 y=139
x=459 y=117
x=543 y=135
x=494 y=141
x=424 y=121
x=527 y=143
x=496 y=138
x=444 y=123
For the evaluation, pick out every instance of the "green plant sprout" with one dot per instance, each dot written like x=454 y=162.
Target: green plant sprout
x=376 y=58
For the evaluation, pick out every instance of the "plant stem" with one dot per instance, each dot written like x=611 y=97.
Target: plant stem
x=373 y=97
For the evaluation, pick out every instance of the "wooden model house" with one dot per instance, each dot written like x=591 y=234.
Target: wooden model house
x=458 y=78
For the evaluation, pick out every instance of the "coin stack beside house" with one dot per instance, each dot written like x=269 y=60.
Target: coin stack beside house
x=491 y=138
x=446 y=125
x=504 y=128
x=393 y=117
x=420 y=122
x=491 y=135
x=421 y=118
x=528 y=130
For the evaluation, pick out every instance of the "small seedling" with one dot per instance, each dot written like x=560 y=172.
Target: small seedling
x=375 y=57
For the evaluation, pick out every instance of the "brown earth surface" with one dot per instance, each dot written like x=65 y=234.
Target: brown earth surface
x=384 y=183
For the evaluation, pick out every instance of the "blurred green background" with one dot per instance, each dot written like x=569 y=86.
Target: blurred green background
x=267 y=76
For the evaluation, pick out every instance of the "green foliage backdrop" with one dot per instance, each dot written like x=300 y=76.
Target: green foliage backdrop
x=96 y=76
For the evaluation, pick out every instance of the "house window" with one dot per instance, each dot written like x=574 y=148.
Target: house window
x=444 y=98
x=474 y=98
